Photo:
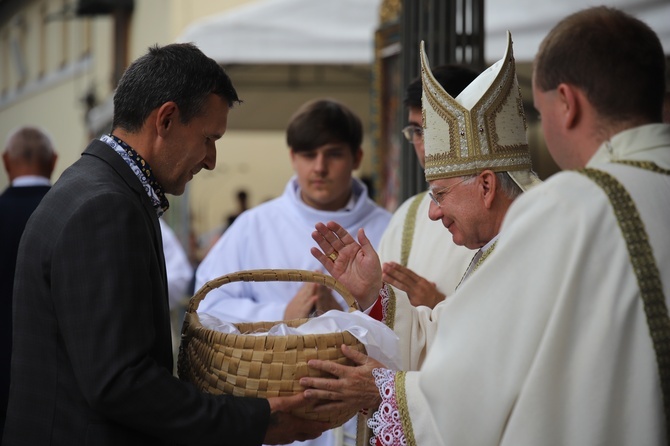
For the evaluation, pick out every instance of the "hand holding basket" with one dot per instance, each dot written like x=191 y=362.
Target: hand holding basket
x=260 y=366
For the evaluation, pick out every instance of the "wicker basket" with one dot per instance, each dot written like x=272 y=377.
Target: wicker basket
x=260 y=366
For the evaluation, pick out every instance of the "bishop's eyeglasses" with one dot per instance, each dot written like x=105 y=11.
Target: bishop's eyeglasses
x=438 y=195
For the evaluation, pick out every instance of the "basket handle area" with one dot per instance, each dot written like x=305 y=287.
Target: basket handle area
x=273 y=275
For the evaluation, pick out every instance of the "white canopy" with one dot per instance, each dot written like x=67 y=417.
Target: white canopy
x=290 y=32
x=530 y=20
x=342 y=31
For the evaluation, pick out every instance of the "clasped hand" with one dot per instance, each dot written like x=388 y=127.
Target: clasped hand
x=353 y=387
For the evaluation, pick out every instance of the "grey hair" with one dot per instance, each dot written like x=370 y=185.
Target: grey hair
x=30 y=144
x=507 y=184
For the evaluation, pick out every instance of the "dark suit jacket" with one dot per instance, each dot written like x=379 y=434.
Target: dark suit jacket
x=16 y=205
x=92 y=353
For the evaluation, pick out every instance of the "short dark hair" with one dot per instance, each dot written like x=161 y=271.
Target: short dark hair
x=324 y=121
x=453 y=78
x=614 y=58
x=177 y=72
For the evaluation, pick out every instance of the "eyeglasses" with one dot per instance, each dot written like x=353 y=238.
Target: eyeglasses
x=411 y=132
x=438 y=197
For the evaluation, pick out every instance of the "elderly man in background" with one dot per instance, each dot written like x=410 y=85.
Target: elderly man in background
x=29 y=159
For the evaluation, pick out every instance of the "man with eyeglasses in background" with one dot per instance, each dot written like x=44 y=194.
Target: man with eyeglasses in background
x=418 y=256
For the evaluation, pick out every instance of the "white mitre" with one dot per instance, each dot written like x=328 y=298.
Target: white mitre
x=483 y=128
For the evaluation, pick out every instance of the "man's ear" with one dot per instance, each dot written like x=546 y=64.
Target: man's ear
x=487 y=183
x=50 y=166
x=5 y=160
x=292 y=154
x=166 y=116
x=358 y=157
x=570 y=101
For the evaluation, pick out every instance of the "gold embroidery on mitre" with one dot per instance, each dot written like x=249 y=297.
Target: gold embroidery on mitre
x=491 y=135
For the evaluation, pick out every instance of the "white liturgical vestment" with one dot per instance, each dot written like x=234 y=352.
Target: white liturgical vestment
x=547 y=343
x=278 y=234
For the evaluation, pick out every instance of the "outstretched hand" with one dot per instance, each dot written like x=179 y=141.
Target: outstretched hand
x=419 y=290
x=353 y=387
x=355 y=264
x=285 y=428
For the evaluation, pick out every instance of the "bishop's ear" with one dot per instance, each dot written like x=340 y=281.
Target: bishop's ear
x=487 y=182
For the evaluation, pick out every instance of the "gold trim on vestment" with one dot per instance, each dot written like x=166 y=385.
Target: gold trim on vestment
x=388 y=308
x=403 y=408
x=646 y=165
x=485 y=254
x=409 y=227
x=363 y=432
x=644 y=265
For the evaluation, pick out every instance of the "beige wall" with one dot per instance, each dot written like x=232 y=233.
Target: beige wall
x=56 y=110
x=59 y=75
x=252 y=154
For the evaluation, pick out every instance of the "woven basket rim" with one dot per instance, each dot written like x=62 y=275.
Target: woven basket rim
x=272 y=275
x=261 y=366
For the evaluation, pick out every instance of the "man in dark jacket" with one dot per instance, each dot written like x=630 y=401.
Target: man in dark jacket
x=92 y=352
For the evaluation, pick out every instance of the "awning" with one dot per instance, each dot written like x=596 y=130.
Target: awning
x=529 y=21
x=290 y=32
x=342 y=31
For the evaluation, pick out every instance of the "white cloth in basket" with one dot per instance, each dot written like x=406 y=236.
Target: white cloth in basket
x=380 y=341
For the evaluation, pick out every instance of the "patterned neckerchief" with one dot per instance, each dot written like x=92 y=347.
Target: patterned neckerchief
x=142 y=170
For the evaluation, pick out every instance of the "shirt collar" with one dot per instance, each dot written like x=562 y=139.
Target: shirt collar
x=30 y=180
x=644 y=143
x=351 y=204
x=142 y=171
x=488 y=246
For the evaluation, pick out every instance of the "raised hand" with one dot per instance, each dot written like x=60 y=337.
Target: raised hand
x=419 y=290
x=355 y=265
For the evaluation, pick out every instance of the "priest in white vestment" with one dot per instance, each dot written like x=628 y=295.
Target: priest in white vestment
x=415 y=250
x=470 y=189
x=561 y=337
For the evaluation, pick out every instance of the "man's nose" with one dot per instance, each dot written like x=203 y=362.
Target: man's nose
x=320 y=163
x=210 y=158
x=435 y=212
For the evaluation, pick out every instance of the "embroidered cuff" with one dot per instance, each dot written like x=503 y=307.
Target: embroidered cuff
x=386 y=423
